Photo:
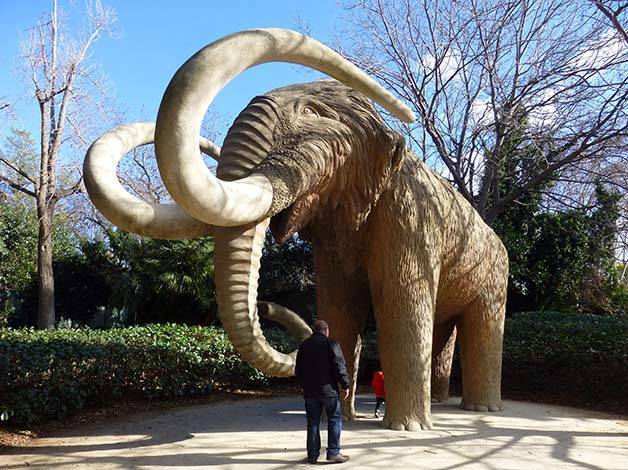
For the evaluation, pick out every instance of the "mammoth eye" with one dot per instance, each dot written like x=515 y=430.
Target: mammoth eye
x=308 y=110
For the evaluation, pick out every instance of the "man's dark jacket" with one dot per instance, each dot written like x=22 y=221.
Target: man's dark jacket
x=320 y=367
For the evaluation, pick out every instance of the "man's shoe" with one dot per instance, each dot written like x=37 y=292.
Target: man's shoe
x=377 y=415
x=310 y=461
x=338 y=458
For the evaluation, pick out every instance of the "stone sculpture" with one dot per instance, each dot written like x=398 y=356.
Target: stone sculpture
x=318 y=159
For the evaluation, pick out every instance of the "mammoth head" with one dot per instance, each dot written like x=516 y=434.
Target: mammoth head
x=323 y=148
x=289 y=156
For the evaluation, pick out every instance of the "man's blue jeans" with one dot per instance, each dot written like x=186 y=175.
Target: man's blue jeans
x=313 y=410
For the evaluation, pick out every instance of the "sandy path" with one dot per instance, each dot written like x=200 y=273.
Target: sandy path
x=270 y=434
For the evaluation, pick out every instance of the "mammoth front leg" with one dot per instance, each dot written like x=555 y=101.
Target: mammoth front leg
x=343 y=302
x=404 y=315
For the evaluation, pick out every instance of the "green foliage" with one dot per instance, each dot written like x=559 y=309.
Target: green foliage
x=80 y=288
x=18 y=258
x=286 y=268
x=20 y=148
x=18 y=224
x=128 y=280
x=602 y=290
x=369 y=358
x=619 y=291
x=55 y=373
x=18 y=246
x=565 y=339
x=562 y=261
x=578 y=358
x=125 y=279
x=513 y=159
x=287 y=275
x=161 y=280
x=558 y=260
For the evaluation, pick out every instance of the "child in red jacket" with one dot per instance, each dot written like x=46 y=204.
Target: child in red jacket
x=378 y=389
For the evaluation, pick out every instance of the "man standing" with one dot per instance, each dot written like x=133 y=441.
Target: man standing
x=320 y=367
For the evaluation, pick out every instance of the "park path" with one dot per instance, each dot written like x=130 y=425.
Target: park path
x=269 y=434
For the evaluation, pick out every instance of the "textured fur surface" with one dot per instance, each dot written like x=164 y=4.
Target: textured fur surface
x=391 y=235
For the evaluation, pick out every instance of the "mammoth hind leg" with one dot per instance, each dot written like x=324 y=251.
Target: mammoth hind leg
x=442 y=355
x=347 y=317
x=344 y=303
x=480 y=334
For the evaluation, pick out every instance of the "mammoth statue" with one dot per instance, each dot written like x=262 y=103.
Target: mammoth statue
x=388 y=233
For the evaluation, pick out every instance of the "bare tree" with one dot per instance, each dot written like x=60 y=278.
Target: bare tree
x=612 y=9
x=62 y=80
x=488 y=79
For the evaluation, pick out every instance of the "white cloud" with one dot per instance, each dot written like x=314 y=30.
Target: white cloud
x=482 y=112
x=543 y=112
x=449 y=64
x=610 y=46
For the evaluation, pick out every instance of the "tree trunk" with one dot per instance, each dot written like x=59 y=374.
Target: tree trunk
x=45 y=278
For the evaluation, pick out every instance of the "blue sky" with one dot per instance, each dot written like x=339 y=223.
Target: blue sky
x=156 y=38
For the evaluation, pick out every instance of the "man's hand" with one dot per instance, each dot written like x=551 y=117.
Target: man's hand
x=345 y=393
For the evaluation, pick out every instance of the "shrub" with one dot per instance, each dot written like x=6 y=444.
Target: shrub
x=575 y=358
x=55 y=373
x=579 y=359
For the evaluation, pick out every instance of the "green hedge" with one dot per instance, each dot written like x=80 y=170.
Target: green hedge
x=571 y=358
x=55 y=373
x=557 y=339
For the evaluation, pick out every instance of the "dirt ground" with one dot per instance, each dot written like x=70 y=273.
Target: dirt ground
x=270 y=434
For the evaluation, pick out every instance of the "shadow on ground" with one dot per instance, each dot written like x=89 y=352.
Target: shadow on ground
x=270 y=433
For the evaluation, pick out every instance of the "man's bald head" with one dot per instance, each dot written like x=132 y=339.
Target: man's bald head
x=321 y=327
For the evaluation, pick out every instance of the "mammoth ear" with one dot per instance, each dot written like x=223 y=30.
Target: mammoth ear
x=377 y=170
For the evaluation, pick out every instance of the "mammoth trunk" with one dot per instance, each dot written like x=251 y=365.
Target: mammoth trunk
x=249 y=139
x=237 y=261
x=239 y=249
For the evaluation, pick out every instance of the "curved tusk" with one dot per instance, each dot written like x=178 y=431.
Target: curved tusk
x=295 y=325
x=130 y=213
x=206 y=146
x=192 y=90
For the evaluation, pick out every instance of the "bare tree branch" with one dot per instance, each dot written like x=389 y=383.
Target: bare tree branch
x=15 y=167
x=75 y=188
x=17 y=186
x=491 y=80
x=613 y=15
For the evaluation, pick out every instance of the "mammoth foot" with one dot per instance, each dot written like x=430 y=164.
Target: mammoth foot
x=348 y=410
x=483 y=407
x=406 y=424
x=440 y=398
